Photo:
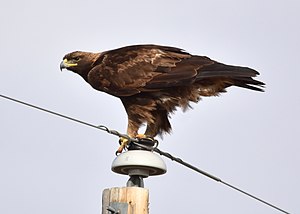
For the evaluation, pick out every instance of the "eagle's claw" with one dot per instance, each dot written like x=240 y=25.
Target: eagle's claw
x=123 y=143
x=143 y=136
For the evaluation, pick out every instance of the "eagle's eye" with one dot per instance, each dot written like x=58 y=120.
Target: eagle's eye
x=77 y=58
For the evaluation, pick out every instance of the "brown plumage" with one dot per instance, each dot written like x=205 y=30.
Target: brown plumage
x=153 y=80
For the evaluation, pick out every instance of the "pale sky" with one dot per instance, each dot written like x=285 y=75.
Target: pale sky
x=249 y=139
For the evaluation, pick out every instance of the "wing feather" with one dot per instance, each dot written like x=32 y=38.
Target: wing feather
x=134 y=69
x=131 y=69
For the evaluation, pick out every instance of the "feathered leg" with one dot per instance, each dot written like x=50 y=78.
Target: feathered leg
x=160 y=124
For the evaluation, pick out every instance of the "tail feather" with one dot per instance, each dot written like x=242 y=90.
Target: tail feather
x=236 y=75
x=221 y=70
x=249 y=84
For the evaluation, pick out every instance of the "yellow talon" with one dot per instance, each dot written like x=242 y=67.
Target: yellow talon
x=141 y=136
x=123 y=143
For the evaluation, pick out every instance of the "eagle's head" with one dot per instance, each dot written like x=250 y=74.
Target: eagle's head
x=79 y=62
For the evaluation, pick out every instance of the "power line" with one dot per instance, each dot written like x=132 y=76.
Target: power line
x=180 y=161
x=101 y=127
x=155 y=149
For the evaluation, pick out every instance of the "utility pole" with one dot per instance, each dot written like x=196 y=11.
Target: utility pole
x=138 y=163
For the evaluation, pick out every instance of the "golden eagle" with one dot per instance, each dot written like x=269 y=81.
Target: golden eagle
x=152 y=81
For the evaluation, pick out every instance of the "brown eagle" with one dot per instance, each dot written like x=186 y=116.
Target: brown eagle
x=152 y=81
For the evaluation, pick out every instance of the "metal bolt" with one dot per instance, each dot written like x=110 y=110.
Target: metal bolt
x=113 y=210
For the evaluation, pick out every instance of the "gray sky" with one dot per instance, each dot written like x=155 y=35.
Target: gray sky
x=249 y=139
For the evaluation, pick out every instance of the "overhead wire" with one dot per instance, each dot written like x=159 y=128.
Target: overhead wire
x=101 y=127
x=155 y=149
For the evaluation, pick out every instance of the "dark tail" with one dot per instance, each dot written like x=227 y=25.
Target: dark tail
x=236 y=75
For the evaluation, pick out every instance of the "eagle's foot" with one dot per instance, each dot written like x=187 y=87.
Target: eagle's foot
x=123 y=143
x=143 y=136
x=144 y=142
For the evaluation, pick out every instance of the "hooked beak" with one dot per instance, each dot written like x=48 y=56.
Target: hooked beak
x=63 y=64
x=66 y=64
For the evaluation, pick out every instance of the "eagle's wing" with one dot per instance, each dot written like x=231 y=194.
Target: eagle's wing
x=130 y=70
x=207 y=74
x=134 y=69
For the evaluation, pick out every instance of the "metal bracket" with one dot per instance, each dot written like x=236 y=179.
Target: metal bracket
x=135 y=181
x=117 y=208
